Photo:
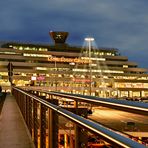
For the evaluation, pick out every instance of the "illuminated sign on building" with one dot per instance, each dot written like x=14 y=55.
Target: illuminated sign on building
x=81 y=80
x=41 y=78
x=33 y=78
x=68 y=60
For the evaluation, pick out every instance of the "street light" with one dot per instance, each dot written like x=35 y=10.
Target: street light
x=90 y=40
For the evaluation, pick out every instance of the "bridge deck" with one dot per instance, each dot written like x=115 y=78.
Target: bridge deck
x=13 y=131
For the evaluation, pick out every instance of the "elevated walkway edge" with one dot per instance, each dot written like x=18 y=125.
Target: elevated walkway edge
x=13 y=130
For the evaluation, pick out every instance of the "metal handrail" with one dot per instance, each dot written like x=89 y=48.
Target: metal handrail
x=129 y=106
x=108 y=134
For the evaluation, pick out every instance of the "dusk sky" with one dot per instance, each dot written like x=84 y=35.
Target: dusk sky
x=121 y=24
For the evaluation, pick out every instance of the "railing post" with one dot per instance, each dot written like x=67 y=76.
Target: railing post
x=80 y=134
x=18 y=98
x=43 y=125
x=24 y=106
x=76 y=127
x=29 y=113
x=21 y=102
x=52 y=126
x=35 y=123
x=30 y=125
x=27 y=110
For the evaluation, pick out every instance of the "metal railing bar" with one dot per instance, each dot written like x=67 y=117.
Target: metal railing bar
x=129 y=106
x=106 y=133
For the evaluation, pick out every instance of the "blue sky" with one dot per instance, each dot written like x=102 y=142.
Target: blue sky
x=122 y=24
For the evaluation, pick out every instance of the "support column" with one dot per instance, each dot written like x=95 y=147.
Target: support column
x=128 y=93
x=140 y=93
x=65 y=141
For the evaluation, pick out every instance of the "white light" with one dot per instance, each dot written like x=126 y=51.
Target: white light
x=41 y=68
x=89 y=39
x=33 y=78
x=72 y=63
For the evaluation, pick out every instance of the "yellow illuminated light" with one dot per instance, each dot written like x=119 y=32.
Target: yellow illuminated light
x=41 y=68
x=125 y=66
x=8 y=52
x=68 y=60
x=96 y=59
x=36 y=55
x=95 y=70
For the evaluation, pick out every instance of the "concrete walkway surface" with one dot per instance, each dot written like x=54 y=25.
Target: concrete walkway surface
x=13 y=131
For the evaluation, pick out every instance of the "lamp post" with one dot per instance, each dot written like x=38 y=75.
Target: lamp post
x=90 y=40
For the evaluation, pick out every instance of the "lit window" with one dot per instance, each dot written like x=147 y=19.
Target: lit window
x=36 y=55
x=125 y=66
x=82 y=76
x=59 y=75
x=41 y=68
x=71 y=76
x=20 y=48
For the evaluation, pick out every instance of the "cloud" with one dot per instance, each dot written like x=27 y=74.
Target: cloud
x=113 y=23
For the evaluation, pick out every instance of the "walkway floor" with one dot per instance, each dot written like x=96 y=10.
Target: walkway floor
x=13 y=131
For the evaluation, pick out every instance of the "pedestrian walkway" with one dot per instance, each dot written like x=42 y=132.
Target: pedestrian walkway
x=13 y=131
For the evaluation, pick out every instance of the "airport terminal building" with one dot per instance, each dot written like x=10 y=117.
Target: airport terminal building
x=100 y=72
